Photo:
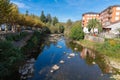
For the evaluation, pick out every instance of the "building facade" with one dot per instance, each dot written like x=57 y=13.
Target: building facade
x=107 y=17
x=110 y=15
x=87 y=16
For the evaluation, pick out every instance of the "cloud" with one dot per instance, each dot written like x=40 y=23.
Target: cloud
x=21 y=5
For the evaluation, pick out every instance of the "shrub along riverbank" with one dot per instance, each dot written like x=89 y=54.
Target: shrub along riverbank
x=11 y=56
x=110 y=48
x=16 y=37
x=34 y=45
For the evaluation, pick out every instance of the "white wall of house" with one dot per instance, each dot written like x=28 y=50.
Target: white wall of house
x=95 y=30
x=85 y=30
x=114 y=28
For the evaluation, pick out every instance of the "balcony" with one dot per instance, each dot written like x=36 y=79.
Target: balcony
x=110 y=11
x=109 y=17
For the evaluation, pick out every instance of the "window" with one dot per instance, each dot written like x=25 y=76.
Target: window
x=116 y=18
x=117 y=13
x=88 y=18
x=88 y=15
x=118 y=8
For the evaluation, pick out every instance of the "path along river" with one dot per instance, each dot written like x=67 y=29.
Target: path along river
x=73 y=61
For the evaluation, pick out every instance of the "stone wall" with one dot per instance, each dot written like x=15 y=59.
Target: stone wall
x=94 y=38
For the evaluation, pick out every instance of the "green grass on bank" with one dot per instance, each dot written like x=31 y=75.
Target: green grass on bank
x=110 y=48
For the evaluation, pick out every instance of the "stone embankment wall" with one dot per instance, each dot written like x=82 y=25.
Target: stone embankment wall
x=94 y=38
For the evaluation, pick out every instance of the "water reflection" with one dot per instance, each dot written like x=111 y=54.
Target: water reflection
x=85 y=65
x=92 y=57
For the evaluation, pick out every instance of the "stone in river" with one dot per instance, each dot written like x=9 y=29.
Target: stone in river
x=93 y=62
x=68 y=57
x=59 y=46
x=62 y=61
x=51 y=71
x=72 y=55
x=75 y=49
x=55 y=67
x=64 y=52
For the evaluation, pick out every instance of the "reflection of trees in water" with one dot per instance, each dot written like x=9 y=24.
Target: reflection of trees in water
x=72 y=45
x=92 y=56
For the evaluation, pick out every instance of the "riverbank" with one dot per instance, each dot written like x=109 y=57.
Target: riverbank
x=111 y=52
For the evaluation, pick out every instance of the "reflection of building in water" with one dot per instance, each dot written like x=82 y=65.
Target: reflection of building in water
x=86 y=52
x=90 y=56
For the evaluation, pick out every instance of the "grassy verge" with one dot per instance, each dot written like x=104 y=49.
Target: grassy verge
x=110 y=48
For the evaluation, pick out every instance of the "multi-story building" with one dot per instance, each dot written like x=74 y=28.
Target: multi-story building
x=107 y=17
x=87 y=16
x=110 y=15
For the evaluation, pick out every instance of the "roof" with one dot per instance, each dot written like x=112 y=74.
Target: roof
x=110 y=7
x=90 y=13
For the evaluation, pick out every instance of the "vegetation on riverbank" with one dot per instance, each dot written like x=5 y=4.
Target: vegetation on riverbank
x=10 y=56
x=34 y=44
x=16 y=37
x=110 y=48
x=73 y=30
x=12 y=19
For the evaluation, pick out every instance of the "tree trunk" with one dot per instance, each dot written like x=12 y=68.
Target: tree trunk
x=13 y=27
x=6 y=29
x=0 y=28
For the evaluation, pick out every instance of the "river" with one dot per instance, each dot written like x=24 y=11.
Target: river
x=83 y=64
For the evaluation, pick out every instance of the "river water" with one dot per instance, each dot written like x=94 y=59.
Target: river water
x=85 y=64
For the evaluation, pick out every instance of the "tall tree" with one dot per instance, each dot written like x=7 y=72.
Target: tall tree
x=48 y=18
x=13 y=19
x=55 y=20
x=5 y=9
x=94 y=23
x=27 y=13
x=76 y=31
x=43 y=17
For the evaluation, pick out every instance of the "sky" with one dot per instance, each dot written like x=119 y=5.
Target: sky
x=64 y=9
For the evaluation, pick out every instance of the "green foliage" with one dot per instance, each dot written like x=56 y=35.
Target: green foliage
x=69 y=23
x=16 y=37
x=111 y=46
x=43 y=17
x=33 y=42
x=77 y=32
x=58 y=28
x=5 y=9
x=48 y=18
x=94 y=23
x=9 y=58
x=55 y=20
x=27 y=12
x=46 y=30
x=61 y=29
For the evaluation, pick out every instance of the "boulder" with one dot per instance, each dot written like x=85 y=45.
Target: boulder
x=55 y=67
x=72 y=55
x=62 y=61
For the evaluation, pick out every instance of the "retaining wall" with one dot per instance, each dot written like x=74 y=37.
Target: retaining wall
x=94 y=38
